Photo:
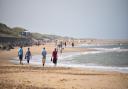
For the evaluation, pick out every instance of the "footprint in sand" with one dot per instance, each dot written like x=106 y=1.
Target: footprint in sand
x=62 y=80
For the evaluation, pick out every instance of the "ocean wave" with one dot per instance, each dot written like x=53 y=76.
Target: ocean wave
x=93 y=66
x=66 y=59
x=69 y=55
x=117 y=49
x=63 y=62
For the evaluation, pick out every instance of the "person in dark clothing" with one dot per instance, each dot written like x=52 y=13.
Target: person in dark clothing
x=72 y=44
x=54 y=55
x=28 y=55
x=65 y=44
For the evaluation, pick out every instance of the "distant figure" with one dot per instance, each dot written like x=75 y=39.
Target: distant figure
x=61 y=49
x=65 y=44
x=20 y=54
x=72 y=44
x=44 y=53
x=28 y=55
x=61 y=44
x=54 y=55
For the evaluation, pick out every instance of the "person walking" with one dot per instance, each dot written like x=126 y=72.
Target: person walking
x=44 y=53
x=20 y=54
x=54 y=55
x=65 y=44
x=28 y=55
x=72 y=44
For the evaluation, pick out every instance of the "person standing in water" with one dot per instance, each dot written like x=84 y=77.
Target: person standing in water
x=20 y=54
x=28 y=55
x=54 y=55
x=44 y=53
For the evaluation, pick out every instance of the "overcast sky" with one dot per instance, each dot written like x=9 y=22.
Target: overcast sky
x=106 y=19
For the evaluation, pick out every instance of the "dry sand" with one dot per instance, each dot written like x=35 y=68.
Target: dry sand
x=15 y=76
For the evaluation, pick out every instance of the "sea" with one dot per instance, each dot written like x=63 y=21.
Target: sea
x=112 y=57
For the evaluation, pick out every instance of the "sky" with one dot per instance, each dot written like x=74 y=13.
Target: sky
x=102 y=19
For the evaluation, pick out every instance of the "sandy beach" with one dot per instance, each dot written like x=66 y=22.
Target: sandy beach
x=15 y=76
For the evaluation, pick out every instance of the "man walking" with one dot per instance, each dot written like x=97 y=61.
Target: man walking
x=44 y=53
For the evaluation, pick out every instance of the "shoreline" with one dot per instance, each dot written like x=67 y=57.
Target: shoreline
x=70 y=65
x=29 y=77
x=72 y=53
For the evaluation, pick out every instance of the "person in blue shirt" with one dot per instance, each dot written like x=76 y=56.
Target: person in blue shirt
x=28 y=55
x=20 y=54
x=44 y=53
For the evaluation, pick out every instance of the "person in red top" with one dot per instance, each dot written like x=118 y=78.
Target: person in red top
x=54 y=55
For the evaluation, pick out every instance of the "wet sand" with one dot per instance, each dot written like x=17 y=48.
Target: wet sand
x=15 y=76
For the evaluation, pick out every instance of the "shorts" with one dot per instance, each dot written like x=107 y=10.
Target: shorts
x=43 y=60
x=20 y=57
x=44 y=57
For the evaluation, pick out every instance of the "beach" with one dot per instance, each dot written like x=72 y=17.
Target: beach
x=16 y=76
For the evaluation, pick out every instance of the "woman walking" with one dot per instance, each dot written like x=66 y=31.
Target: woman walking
x=54 y=55
x=28 y=55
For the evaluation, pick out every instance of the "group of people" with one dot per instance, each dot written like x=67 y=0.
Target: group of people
x=28 y=56
x=53 y=58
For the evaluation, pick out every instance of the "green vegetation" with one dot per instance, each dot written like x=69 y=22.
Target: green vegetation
x=6 y=31
x=10 y=32
x=44 y=36
x=37 y=36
